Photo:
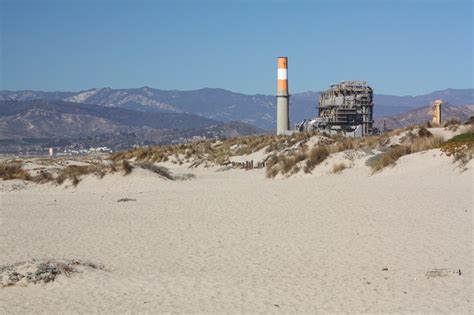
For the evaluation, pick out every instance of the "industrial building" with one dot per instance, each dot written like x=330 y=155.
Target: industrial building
x=346 y=107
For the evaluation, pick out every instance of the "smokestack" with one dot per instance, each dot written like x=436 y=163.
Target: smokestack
x=283 y=97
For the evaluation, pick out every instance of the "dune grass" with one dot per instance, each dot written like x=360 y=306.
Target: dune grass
x=316 y=156
x=392 y=154
x=213 y=151
x=338 y=168
x=160 y=170
x=460 y=147
x=289 y=154
x=14 y=170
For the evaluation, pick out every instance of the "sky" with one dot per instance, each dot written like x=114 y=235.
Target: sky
x=406 y=47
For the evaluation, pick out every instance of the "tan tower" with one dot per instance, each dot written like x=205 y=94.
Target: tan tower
x=283 y=97
x=436 y=111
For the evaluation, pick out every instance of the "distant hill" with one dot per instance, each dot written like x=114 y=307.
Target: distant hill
x=60 y=119
x=223 y=105
x=52 y=118
x=422 y=114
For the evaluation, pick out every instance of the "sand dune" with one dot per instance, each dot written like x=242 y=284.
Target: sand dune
x=235 y=241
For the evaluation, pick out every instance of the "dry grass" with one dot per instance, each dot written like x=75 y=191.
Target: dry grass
x=74 y=173
x=213 y=151
x=387 y=158
x=423 y=144
x=461 y=147
x=14 y=170
x=42 y=271
x=315 y=157
x=452 y=123
x=391 y=156
x=126 y=167
x=43 y=177
x=160 y=170
x=289 y=161
x=338 y=168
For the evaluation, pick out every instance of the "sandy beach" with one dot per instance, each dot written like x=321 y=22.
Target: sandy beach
x=235 y=241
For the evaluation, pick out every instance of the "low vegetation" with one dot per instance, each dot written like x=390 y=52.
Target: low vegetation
x=389 y=157
x=73 y=173
x=13 y=170
x=316 y=156
x=41 y=271
x=285 y=155
x=417 y=143
x=461 y=147
x=338 y=168
x=217 y=152
x=160 y=170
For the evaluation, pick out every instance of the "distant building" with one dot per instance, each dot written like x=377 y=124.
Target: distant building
x=346 y=107
x=436 y=111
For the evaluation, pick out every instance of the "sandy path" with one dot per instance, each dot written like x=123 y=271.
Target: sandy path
x=235 y=241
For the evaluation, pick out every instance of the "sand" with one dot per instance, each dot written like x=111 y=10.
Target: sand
x=235 y=241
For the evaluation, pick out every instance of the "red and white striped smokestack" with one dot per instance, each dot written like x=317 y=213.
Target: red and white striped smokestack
x=283 y=97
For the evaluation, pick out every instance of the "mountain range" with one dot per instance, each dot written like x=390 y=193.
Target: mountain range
x=225 y=106
x=35 y=124
x=55 y=118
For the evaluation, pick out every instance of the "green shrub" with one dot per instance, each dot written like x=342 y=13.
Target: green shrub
x=461 y=147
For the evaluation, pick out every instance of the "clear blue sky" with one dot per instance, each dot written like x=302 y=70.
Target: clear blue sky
x=400 y=47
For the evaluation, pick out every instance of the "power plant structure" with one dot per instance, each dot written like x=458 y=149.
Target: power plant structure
x=283 y=97
x=346 y=108
x=436 y=112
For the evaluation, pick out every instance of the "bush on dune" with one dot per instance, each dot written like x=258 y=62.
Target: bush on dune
x=316 y=156
x=160 y=170
x=73 y=173
x=338 y=168
x=13 y=170
x=391 y=155
x=461 y=147
x=388 y=157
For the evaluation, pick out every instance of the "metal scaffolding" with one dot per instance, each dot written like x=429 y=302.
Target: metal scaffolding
x=348 y=106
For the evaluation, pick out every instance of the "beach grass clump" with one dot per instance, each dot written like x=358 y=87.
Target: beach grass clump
x=13 y=170
x=425 y=143
x=126 y=167
x=392 y=154
x=316 y=156
x=43 y=176
x=388 y=157
x=343 y=144
x=213 y=151
x=452 y=123
x=160 y=170
x=74 y=173
x=287 y=163
x=338 y=168
x=41 y=271
x=423 y=132
x=460 y=147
